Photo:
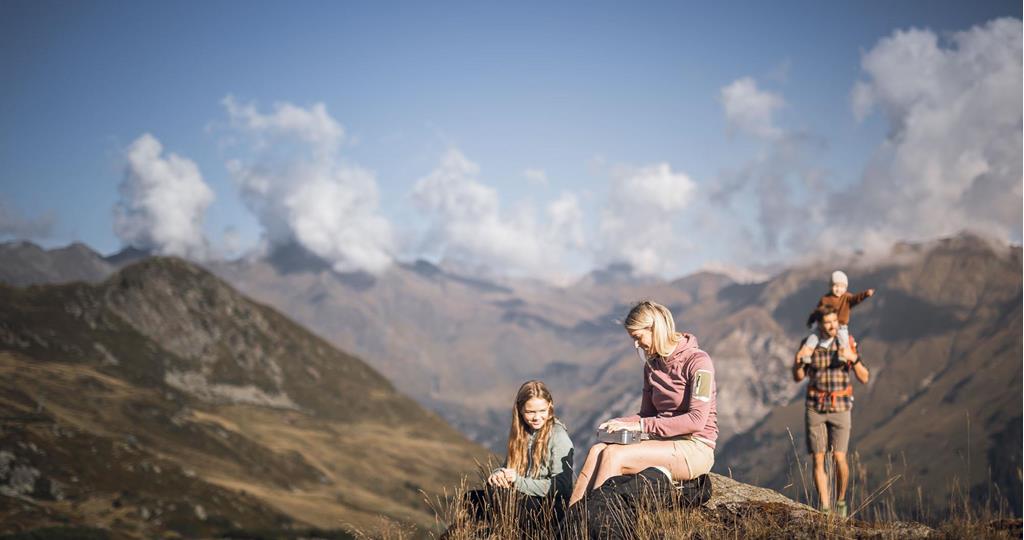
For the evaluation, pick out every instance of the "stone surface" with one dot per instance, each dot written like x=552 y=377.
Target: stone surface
x=732 y=501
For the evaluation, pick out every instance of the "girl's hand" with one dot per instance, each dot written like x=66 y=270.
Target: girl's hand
x=510 y=476
x=498 y=479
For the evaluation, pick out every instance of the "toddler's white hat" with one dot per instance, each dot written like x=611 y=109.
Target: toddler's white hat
x=840 y=277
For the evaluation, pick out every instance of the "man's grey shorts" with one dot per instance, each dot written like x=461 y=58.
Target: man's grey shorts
x=827 y=431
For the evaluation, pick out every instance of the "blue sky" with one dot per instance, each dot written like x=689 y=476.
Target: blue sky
x=596 y=95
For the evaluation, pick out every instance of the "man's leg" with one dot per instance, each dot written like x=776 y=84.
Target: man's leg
x=817 y=437
x=840 y=425
x=821 y=480
x=584 y=480
x=842 y=474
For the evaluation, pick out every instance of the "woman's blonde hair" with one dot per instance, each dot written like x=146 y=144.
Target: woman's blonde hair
x=658 y=318
x=519 y=433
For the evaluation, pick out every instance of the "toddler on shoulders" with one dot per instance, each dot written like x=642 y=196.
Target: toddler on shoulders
x=841 y=301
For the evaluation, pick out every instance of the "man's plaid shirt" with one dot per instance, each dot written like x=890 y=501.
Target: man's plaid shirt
x=828 y=374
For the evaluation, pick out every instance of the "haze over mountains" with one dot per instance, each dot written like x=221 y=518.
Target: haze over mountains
x=942 y=338
x=163 y=400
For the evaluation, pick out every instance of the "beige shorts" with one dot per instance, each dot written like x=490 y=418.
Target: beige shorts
x=827 y=431
x=697 y=456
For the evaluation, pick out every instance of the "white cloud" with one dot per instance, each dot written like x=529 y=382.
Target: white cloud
x=654 y=186
x=296 y=183
x=163 y=201
x=313 y=126
x=749 y=109
x=231 y=242
x=536 y=177
x=468 y=224
x=739 y=274
x=325 y=217
x=861 y=100
x=952 y=159
x=451 y=190
x=636 y=221
x=566 y=219
x=16 y=225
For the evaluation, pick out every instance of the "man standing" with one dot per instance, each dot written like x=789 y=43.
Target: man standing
x=829 y=402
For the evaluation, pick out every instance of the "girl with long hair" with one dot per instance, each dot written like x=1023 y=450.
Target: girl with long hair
x=537 y=476
x=677 y=415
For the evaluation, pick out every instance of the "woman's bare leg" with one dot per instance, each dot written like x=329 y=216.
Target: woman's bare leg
x=631 y=459
x=584 y=480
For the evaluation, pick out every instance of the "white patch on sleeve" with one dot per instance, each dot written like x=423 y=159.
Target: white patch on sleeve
x=702 y=385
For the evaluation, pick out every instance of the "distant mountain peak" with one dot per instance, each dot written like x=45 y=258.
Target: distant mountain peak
x=614 y=273
x=128 y=255
x=739 y=274
x=294 y=258
x=25 y=263
x=426 y=268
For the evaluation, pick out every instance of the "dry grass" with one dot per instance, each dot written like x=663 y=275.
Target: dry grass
x=875 y=507
x=317 y=471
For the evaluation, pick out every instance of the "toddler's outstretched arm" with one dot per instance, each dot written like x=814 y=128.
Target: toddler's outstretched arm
x=860 y=297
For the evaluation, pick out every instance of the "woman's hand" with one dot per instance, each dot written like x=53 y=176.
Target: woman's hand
x=616 y=425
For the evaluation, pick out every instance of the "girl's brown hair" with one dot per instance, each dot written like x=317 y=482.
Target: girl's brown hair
x=519 y=433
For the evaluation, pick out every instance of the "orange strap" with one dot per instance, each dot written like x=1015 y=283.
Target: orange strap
x=821 y=395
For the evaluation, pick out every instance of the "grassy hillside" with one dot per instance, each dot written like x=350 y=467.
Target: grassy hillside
x=162 y=401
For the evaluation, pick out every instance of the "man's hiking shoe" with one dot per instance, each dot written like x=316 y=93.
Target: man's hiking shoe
x=841 y=509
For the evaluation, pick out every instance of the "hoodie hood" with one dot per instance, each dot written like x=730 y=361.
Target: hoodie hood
x=686 y=348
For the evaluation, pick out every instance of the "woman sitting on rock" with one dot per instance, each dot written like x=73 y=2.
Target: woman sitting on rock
x=677 y=409
x=536 y=480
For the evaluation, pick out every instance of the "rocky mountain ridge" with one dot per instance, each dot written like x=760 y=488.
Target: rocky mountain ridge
x=162 y=400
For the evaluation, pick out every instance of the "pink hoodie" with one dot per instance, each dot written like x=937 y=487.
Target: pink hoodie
x=680 y=395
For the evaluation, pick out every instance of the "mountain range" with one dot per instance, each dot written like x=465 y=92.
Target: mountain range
x=942 y=338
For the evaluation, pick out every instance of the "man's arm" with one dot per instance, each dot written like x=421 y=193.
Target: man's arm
x=798 y=366
x=862 y=373
x=859 y=369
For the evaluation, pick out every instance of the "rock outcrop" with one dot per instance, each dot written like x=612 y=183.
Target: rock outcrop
x=735 y=504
